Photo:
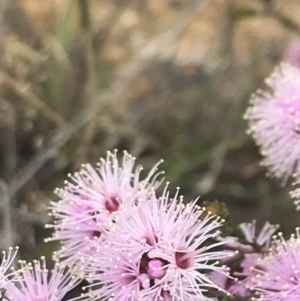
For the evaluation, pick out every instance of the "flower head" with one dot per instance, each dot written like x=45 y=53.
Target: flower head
x=36 y=283
x=242 y=272
x=274 y=122
x=160 y=249
x=277 y=275
x=91 y=200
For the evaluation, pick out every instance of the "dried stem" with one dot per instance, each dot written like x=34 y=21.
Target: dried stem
x=91 y=86
x=85 y=14
x=7 y=140
x=279 y=16
x=30 y=98
x=3 y=6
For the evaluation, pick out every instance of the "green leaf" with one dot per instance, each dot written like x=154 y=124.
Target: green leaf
x=220 y=209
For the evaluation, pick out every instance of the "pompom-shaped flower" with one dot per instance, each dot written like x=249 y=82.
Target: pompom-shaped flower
x=278 y=274
x=6 y=262
x=36 y=283
x=274 y=118
x=253 y=246
x=90 y=201
x=160 y=249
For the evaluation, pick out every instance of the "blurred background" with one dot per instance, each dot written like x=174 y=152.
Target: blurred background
x=164 y=79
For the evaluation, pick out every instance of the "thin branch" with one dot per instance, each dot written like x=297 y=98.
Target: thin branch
x=286 y=22
x=20 y=49
x=269 y=10
x=125 y=77
x=28 y=96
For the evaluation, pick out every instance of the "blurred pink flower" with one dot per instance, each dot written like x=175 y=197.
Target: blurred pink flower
x=293 y=54
x=277 y=276
x=274 y=121
x=36 y=283
x=241 y=274
x=91 y=200
x=261 y=239
x=160 y=249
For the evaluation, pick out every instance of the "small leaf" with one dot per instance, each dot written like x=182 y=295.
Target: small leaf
x=220 y=209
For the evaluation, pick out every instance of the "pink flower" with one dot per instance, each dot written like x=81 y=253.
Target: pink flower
x=7 y=260
x=295 y=194
x=293 y=54
x=160 y=249
x=274 y=121
x=36 y=283
x=90 y=201
x=242 y=273
x=261 y=239
x=277 y=276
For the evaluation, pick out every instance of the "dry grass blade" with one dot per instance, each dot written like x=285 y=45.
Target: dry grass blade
x=2 y=15
x=6 y=211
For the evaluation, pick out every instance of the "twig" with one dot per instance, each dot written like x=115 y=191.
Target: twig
x=23 y=50
x=28 y=96
x=286 y=22
x=126 y=76
x=7 y=225
x=279 y=16
x=207 y=182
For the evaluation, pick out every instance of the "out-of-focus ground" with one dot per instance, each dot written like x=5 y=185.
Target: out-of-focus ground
x=164 y=79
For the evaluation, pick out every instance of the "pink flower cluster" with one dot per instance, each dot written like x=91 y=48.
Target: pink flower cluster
x=90 y=202
x=133 y=240
x=274 y=121
x=158 y=250
x=277 y=275
x=33 y=282
x=250 y=248
x=132 y=244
